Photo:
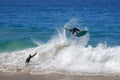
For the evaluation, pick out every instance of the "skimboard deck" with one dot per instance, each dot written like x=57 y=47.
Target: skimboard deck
x=81 y=33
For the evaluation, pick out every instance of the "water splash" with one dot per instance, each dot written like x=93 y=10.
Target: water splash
x=62 y=54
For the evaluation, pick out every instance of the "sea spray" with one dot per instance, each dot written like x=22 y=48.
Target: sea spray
x=63 y=54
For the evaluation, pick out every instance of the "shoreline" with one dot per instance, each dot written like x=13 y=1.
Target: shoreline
x=55 y=76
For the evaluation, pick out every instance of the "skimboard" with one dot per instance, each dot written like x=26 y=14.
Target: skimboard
x=81 y=33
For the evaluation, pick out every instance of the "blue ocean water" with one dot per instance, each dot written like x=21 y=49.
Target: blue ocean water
x=28 y=26
x=22 y=20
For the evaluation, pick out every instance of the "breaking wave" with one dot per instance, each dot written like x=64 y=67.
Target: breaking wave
x=62 y=54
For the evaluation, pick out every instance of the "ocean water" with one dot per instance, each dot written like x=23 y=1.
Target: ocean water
x=29 y=26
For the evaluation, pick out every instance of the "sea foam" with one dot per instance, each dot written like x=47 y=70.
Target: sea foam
x=62 y=54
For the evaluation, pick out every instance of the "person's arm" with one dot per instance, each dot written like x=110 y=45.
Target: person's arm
x=34 y=54
x=77 y=29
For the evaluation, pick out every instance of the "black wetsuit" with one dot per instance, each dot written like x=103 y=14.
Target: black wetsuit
x=73 y=30
x=29 y=57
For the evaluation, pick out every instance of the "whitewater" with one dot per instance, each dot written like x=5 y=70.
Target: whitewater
x=64 y=55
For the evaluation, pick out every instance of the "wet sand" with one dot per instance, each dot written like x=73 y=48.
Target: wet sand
x=23 y=76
